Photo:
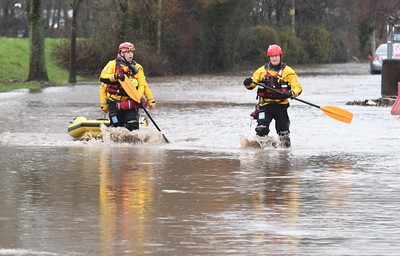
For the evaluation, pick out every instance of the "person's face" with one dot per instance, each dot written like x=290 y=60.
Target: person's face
x=128 y=55
x=275 y=59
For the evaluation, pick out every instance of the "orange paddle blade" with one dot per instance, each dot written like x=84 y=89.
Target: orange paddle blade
x=130 y=89
x=338 y=113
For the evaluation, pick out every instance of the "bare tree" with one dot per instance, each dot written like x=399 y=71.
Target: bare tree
x=37 y=65
x=159 y=23
x=74 y=28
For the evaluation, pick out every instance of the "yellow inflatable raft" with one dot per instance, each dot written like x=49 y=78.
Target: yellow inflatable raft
x=84 y=129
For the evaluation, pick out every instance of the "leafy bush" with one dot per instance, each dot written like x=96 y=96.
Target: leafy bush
x=87 y=60
x=254 y=42
x=92 y=57
x=345 y=46
x=291 y=46
x=318 y=44
x=153 y=64
x=339 y=51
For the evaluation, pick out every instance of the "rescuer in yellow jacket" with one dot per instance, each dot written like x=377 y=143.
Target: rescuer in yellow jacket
x=122 y=110
x=273 y=104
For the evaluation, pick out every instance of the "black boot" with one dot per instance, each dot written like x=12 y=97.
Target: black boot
x=262 y=130
x=284 y=139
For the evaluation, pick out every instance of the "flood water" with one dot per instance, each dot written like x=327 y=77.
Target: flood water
x=335 y=192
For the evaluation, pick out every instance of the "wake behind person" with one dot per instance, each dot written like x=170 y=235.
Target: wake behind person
x=280 y=83
x=123 y=109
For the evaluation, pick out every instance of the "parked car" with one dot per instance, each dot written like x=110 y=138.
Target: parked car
x=380 y=55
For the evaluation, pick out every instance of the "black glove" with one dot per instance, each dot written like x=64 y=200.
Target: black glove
x=133 y=69
x=119 y=76
x=248 y=81
x=287 y=94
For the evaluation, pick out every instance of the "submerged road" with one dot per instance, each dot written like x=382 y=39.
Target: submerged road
x=335 y=192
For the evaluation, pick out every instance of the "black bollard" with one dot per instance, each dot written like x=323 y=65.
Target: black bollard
x=390 y=77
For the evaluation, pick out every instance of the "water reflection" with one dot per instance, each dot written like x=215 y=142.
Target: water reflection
x=140 y=200
x=291 y=205
x=275 y=199
x=126 y=198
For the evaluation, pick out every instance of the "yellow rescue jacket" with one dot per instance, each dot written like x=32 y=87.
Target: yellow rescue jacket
x=288 y=75
x=107 y=77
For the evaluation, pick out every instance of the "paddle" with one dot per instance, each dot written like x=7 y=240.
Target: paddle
x=331 y=111
x=130 y=89
x=396 y=105
x=152 y=120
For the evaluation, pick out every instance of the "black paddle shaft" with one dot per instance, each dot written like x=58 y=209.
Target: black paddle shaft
x=331 y=111
x=294 y=98
x=152 y=120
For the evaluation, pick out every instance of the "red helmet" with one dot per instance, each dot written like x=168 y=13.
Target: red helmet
x=126 y=47
x=273 y=50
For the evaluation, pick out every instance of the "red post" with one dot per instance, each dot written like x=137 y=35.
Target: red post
x=396 y=105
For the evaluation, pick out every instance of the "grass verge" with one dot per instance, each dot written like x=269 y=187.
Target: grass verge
x=14 y=60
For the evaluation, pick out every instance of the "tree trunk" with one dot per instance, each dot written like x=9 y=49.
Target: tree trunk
x=123 y=20
x=37 y=65
x=159 y=23
x=5 y=24
x=74 y=27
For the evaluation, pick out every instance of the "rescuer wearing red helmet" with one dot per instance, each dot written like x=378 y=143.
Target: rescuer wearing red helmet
x=123 y=110
x=273 y=104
